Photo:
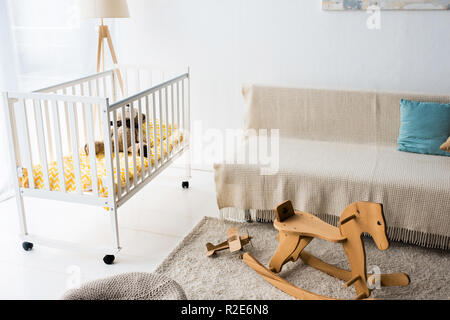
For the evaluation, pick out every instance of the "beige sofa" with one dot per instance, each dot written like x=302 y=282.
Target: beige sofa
x=337 y=147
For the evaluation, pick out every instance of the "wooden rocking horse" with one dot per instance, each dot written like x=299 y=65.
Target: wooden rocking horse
x=296 y=231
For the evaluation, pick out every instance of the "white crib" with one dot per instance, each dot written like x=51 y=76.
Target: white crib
x=49 y=126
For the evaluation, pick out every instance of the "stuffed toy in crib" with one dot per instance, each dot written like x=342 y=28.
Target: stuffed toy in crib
x=124 y=124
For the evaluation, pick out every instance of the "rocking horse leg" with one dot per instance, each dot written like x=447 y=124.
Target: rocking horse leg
x=354 y=249
x=399 y=279
x=304 y=241
x=329 y=269
x=280 y=283
x=387 y=280
x=287 y=243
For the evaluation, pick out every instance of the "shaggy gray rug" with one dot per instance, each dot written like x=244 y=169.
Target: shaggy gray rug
x=226 y=276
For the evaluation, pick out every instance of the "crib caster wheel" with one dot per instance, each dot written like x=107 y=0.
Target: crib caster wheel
x=108 y=259
x=27 y=246
x=185 y=184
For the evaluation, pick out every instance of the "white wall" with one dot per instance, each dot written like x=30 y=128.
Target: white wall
x=8 y=81
x=284 y=42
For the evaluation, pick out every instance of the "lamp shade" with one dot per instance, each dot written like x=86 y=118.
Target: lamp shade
x=104 y=9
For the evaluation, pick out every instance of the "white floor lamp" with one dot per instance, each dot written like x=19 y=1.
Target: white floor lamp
x=101 y=9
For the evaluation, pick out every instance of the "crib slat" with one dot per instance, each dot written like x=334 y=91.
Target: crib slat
x=97 y=114
x=109 y=179
x=188 y=108
x=166 y=110
x=172 y=123
x=83 y=111
x=155 y=137
x=125 y=151
x=117 y=155
x=28 y=156
x=105 y=92
x=178 y=114
x=161 y=126
x=41 y=141
x=91 y=141
x=90 y=93
x=96 y=108
x=73 y=120
x=58 y=145
x=66 y=116
x=97 y=87
x=90 y=89
x=49 y=132
x=141 y=139
x=147 y=123
x=183 y=106
x=133 y=141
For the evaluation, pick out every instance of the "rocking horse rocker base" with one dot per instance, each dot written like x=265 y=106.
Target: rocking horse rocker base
x=297 y=229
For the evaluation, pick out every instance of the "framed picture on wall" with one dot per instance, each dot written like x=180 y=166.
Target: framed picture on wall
x=386 y=4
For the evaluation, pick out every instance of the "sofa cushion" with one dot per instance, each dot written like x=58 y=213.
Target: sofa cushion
x=424 y=125
x=324 y=177
x=329 y=115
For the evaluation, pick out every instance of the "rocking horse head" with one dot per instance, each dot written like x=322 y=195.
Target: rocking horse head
x=365 y=217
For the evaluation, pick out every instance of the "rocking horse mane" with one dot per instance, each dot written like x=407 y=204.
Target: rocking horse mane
x=354 y=209
x=349 y=211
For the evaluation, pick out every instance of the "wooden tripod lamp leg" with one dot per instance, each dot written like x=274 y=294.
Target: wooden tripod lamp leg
x=114 y=57
x=103 y=32
x=99 y=47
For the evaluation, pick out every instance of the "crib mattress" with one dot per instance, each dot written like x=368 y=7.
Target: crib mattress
x=85 y=168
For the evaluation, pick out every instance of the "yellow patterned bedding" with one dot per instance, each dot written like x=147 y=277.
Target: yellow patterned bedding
x=85 y=168
x=173 y=131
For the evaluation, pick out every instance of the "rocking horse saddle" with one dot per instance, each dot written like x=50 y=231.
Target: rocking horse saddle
x=305 y=224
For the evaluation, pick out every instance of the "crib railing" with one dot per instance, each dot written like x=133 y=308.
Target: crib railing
x=102 y=84
x=36 y=122
x=166 y=104
x=53 y=123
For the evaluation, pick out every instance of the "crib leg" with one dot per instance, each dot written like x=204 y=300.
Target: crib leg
x=185 y=182
x=27 y=246
x=115 y=228
x=21 y=212
x=109 y=259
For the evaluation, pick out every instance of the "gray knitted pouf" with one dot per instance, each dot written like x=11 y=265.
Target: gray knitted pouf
x=129 y=286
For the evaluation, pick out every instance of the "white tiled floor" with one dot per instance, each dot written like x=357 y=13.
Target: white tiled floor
x=151 y=225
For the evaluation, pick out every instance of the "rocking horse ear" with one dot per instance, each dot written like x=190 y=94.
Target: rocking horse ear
x=284 y=210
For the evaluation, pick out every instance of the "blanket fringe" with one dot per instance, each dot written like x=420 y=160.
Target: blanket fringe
x=423 y=239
